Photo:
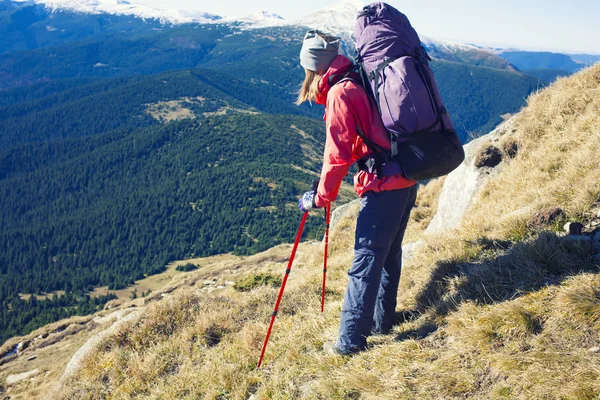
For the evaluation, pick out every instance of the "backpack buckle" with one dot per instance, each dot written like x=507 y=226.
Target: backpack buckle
x=368 y=164
x=373 y=164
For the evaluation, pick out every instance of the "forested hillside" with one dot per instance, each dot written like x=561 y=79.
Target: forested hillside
x=117 y=103
x=109 y=209
x=106 y=180
x=477 y=97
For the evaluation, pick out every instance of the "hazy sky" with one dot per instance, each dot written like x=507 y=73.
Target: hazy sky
x=562 y=25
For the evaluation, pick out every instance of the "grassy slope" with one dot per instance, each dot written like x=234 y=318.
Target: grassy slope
x=500 y=309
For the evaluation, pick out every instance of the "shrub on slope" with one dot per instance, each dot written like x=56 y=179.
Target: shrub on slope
x=501 y=308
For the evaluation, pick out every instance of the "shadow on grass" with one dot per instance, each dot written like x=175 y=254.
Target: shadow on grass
x=418 y=333
x=525 y=267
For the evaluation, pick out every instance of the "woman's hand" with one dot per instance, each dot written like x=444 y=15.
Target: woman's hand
x=307 y=201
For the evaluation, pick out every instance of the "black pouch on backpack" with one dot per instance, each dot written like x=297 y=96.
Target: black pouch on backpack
x=430 y=155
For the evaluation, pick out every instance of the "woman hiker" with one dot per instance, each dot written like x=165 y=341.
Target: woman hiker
x=370 y=299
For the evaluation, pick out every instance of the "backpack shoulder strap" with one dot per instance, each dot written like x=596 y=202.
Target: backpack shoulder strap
x=370 y=144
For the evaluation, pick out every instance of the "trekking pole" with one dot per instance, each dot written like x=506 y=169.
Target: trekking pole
x=327 y=216
x=285 y=278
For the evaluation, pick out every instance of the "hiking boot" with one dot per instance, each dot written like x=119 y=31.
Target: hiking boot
x=331 y=347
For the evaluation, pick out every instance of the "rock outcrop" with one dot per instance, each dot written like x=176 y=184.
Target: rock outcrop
x=483 y=160
x=341 y=211
x=92 y=344
x=12 y=379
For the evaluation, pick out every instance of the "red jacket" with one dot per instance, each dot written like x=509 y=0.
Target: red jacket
x=347 y=106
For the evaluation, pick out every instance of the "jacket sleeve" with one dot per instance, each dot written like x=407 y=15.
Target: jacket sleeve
x=341 y=136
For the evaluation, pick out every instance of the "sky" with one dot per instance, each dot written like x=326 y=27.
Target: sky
x=560 y=25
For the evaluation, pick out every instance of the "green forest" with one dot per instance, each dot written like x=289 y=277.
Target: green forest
x=24 y=316
x=97 y=192
x=116 y=207
x=477 y=97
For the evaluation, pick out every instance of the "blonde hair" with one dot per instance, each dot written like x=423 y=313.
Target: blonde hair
x=310 y=87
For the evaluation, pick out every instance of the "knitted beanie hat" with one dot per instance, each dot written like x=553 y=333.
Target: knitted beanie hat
x=318 y=51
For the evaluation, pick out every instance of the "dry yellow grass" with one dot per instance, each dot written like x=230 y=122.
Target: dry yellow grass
x=500 y=309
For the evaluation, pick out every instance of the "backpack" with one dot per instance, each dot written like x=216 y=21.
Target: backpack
x=424 y=143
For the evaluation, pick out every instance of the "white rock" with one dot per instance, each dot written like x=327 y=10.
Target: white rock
x=464 y=185
x=221 y=287
x=594 y=350
x=567 y=226
x=12 y=379
x=339 y=212
x=91 y=345
x=111 y=317
x=229 y=283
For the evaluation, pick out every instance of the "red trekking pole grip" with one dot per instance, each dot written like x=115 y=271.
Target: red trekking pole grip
x=285 y=278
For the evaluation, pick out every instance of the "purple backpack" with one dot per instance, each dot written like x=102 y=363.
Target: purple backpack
x=424 y=143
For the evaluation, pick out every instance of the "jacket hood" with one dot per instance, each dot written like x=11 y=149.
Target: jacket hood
x=338 y=69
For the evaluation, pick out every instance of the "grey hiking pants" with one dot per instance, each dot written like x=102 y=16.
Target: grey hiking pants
x=370 y=300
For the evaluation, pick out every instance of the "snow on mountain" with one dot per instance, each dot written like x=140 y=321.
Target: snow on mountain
x=261 y=19
x=123 y=7
x=465 y=53
x=447 y=45
x=338 y=19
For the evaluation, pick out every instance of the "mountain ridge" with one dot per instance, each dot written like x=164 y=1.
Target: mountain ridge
x=337 y=19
